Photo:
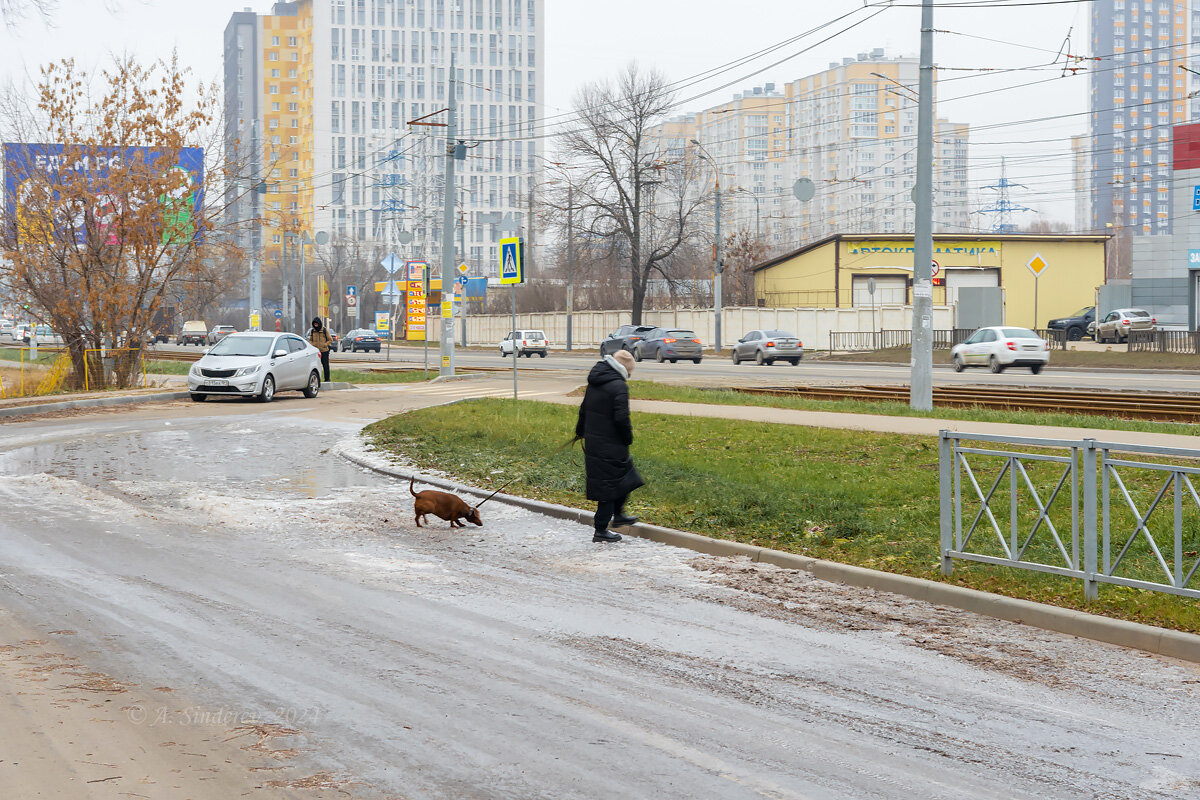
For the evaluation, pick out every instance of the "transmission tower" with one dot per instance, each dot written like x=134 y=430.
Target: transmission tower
x=1003 y=209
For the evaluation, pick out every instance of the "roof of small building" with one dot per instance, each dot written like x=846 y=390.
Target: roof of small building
x=940 y=237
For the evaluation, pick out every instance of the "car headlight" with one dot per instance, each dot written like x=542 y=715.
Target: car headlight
x=195 y=370
x=244 y=371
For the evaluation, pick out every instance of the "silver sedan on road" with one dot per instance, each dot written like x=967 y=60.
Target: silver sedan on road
x=767 y=347
x=257 y=364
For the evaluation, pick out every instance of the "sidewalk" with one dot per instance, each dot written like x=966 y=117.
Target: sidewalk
x=882 y=423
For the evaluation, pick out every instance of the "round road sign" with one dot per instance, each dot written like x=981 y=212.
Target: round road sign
x=936 y=269
x=278 y=313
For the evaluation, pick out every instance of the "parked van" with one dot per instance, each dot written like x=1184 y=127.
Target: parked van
x=194 y=332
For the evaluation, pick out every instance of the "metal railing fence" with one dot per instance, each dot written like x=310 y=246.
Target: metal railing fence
x=849 y=341
x=1108 y=534
x=1165 y=341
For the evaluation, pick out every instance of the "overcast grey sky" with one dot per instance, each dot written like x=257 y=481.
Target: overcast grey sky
x=587 y=40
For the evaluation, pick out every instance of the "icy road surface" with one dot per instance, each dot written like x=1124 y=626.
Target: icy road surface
x=239 y=560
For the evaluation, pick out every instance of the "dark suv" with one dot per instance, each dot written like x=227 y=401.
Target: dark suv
x=1075 y=325
x=624 y=338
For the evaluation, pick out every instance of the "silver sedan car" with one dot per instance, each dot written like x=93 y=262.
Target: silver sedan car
x=1117 y=324
x=767 y=347
x=257 y=364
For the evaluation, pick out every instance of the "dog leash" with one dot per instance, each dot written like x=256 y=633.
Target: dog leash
x=493 y=494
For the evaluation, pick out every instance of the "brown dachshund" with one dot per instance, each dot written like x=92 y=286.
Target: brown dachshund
x=443 y=505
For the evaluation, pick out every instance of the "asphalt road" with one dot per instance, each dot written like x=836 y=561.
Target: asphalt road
x=234 y=558
x=718 y=370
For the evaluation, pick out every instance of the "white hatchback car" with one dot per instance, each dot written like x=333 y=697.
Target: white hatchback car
x=526 y=343
x=257 y=364
x=1000 y=347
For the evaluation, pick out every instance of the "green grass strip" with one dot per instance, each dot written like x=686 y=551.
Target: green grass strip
x=848 y=496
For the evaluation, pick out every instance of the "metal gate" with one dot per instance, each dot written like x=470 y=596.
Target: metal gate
x=1078 y=508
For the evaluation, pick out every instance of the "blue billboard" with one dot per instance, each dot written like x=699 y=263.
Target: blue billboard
x=30 y=166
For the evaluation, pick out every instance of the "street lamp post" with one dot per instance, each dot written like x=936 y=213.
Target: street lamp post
x=719 y=265
x=754 y=197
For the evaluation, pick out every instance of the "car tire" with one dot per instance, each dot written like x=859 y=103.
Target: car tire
x=734 y=357
x=542 y=354
x=268 y=390
x=1074 y=334
x=314 y=385
x=758 y=358
x=1036 y=368
x=695 y=361
x=958 y=364
x=198 y=398
x=658 y=356
x=994 y=364
x=637 y=354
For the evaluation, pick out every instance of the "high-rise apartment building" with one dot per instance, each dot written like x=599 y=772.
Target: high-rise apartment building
x=851 y=129
x=319 y=97
x=1137 y=93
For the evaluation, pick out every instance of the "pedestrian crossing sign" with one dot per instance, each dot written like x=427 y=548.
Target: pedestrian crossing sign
x=512 y=270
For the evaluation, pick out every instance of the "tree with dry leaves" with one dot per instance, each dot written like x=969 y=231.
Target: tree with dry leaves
x=112 y=213
x=641 y=206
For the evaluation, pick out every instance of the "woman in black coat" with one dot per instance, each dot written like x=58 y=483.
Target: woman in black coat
x=607 y=433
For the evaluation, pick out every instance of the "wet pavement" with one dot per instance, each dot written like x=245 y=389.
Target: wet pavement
x=238 y=560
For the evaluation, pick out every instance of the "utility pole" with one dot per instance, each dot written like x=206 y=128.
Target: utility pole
x=718 y=254
x=921 y=381
x=255 y=198
x=452 y=149
x=570 y=258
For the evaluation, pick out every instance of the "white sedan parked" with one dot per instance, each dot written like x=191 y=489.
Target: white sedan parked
x=1000 y=347
x=257 y=364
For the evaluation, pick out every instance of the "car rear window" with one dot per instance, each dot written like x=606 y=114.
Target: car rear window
x=1019 y=333
x=533 y=335
x=1137 y=312
x=682 y=334
x=779 y=335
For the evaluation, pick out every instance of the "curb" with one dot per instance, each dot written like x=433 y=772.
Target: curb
x=467 y=376
x=1135 y=635
x=95 y=402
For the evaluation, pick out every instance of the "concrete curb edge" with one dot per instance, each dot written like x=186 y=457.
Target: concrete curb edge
x=94 y=402
x=1174 y=644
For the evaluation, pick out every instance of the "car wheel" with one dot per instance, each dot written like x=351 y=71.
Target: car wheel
x=314 y=385
x=734 y=357
x=695 y=361
x=959 y=366
x=199 y=398
x=1036 y=368
x=542 y=354
x=268 y=390
x=994 y=364
x=758 y=358
x=637 y=354
x=1075 y=334
x=658 y=355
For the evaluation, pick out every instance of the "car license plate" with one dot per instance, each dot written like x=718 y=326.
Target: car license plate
x=217 y=382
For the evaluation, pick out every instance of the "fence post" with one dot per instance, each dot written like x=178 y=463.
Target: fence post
x=1091 y=587
x=946 y=515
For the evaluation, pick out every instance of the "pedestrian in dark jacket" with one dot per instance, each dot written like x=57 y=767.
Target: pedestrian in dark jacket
x=607 y=432
x=319 y=338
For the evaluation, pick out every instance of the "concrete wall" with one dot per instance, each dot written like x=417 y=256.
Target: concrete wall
x=812 y=325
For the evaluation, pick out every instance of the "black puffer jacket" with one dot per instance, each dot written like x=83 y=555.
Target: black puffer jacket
x=607 y=433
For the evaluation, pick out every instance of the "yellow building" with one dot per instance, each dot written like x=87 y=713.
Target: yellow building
x=835 y=272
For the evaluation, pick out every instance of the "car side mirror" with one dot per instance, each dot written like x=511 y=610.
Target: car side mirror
x=206 y=350
x=280 y=353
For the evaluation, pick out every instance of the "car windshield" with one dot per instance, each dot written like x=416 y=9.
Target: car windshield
x=1019 y=333
x=243 y=346
x=778 y=335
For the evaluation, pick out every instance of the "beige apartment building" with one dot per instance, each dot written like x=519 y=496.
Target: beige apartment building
x=851 y=129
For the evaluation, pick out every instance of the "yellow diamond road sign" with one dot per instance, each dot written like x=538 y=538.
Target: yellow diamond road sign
x=1037 y=265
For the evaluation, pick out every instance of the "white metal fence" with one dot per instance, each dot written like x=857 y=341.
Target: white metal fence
x=812 y=325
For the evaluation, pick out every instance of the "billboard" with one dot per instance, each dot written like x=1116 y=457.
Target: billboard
x=29 y=168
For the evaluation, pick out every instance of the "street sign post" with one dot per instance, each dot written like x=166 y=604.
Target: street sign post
x=512 y=272
x=1037 y=265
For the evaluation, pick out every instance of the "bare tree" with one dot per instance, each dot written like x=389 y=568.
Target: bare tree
x=743 y=252
x=14 y=11
x=627 y=196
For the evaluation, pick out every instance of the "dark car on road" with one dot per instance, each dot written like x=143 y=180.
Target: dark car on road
x=669 y=344
x=624 y=338
x=361 y=339
x=1075 y=325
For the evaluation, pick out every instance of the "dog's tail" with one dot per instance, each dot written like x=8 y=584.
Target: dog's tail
x=411 y=478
